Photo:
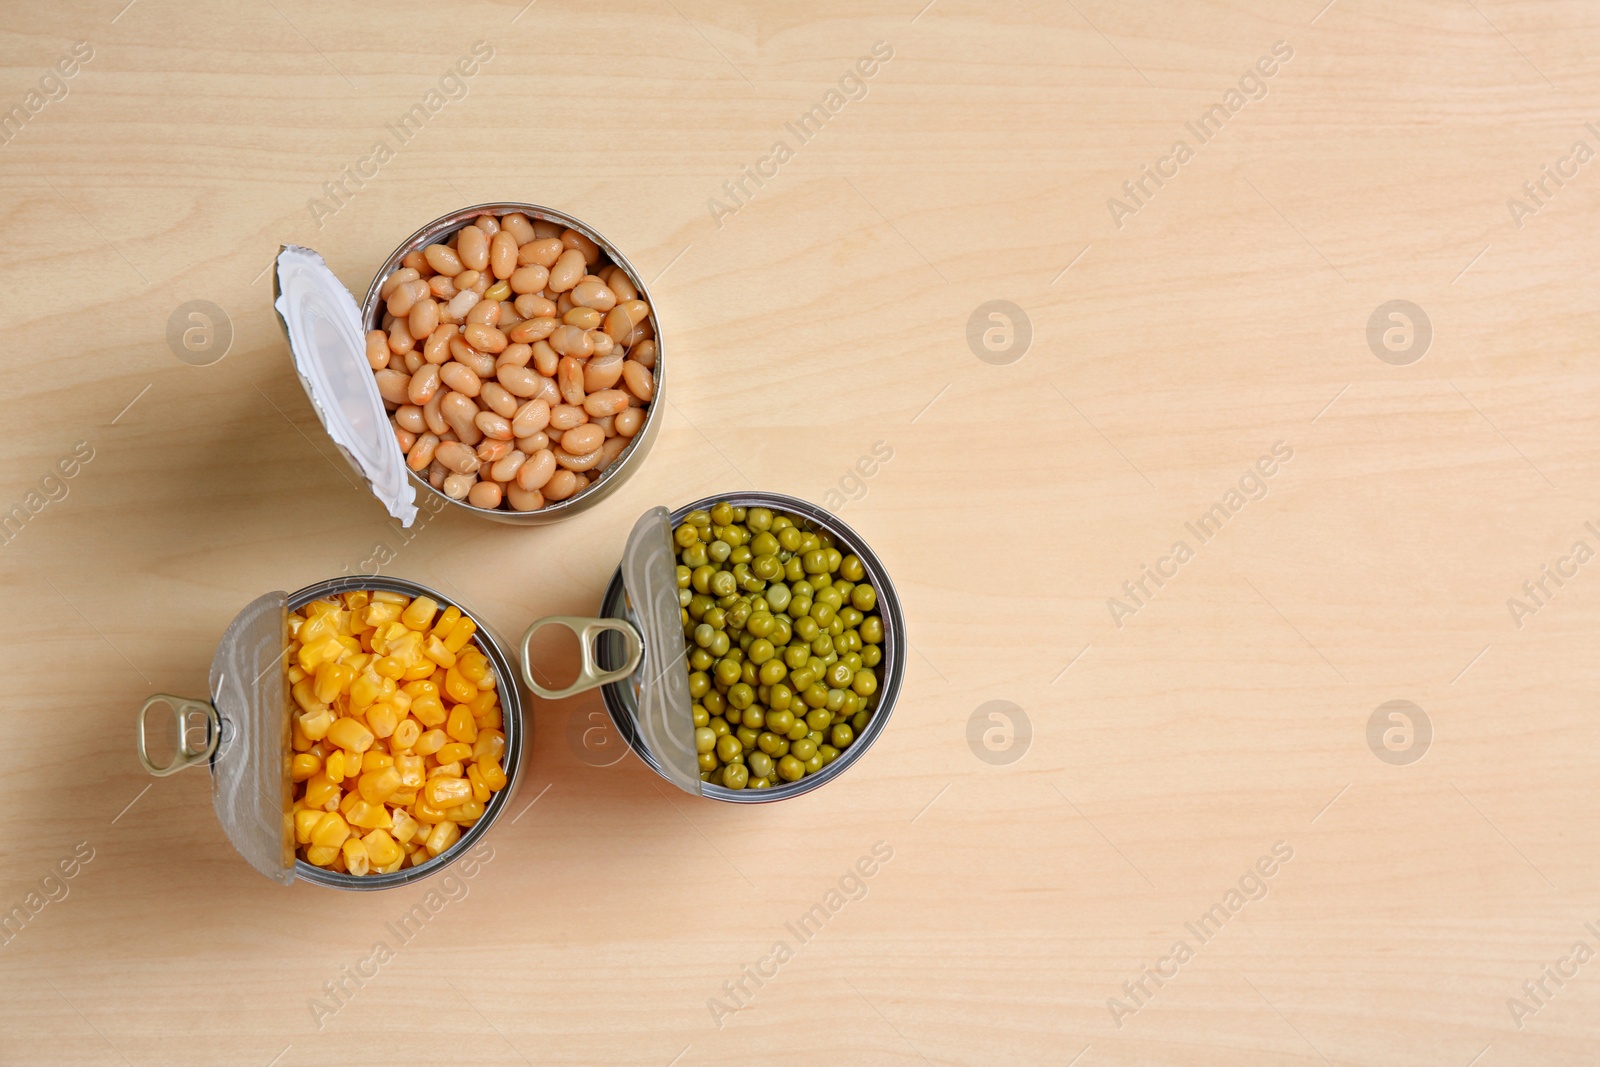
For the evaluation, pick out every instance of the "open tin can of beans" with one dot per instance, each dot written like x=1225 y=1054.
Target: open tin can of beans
x=251 y=733
x=507 y=359
x=677 y=650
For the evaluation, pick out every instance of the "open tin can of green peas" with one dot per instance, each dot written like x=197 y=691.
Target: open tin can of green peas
x=781 y=652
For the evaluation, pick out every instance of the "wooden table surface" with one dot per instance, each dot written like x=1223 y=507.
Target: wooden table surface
x=1178 y=499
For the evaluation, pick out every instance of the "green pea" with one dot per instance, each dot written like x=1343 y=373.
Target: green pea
x=802 y=678
x=761 y=783
x=760 y=518
x=797 y=731
x=708 y=762
x=780 y=722
x=871 y=656
x=871 y=630
x=722 y=514
x=773 y=672
x=742 y=554
x=835 y=700
x=851 y=567
x=747 y=737
x=859 y=720
x=828 y=754
x=791 y=769
x=760 y=763
x=841 y=735
x=754 y=719
x=702 y=635
x=852 y=704
x=765 y=544
x=782 y=630
x=699 y=684
x=699 y=604
x=685 y=535
x=780 y=697
x=695 y=556
x=863 y=598
x=814 y=764
x=839 y=675
x=815 y=695
x=719 y=726
x=698 y=518
x=760 y=651
x=778 y=596
x=865 y=683
x=793 y=569
x=822 y=611
x=790 y=537
x=822 y=645
x=741 y=695
x=735 y=776
x=851 y=660
x=704 y=739
x=805 y=628
x=760 y=624
x=719 y=643
x=849 y=640
x=803 y=749
x=722 y=583
x=728 y=672
x=728 y=747
x=714 y=702
x=731 y=535
x=798 y=607
x=718 y=551
x=684 y=597
x=738 y=615
x=834 y=558
x=683 y=576
x=819 y=718
x=829 y=596
x=749 y=673
x=715 y=616
x=769 y=742
x=766 y=568
x=803 y=588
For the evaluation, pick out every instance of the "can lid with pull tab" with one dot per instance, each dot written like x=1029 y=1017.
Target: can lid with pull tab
x=246 y=737
x=645 y=651
x=323 y=323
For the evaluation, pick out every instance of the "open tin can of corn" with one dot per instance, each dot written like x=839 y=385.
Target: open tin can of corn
x=362 y=733
x=749 y=648
x=507 y=359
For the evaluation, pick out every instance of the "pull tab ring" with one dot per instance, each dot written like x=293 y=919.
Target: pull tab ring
x=182 y=708
x=590 y=675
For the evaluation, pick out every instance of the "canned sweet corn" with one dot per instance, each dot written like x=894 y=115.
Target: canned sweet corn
x=362 y=733
x=637 y=654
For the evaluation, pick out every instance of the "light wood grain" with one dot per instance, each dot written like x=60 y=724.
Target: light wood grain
x=827 y=314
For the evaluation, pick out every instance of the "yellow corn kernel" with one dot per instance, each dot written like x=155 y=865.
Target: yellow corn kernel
x=410 y=770
x=407 y=647
x=458 y=688
x=332 y=679
x=320 y=790
x=356 y=860
x=305 y=694
x=349 y=734
x=454 y=752
x=490 y=720
x=381 y=848
x=460 y=634
x=304 y=766
x=405 y=735
x=319 y=628
x=378 y=786
x=444 y=793
x=405 y=827
x=312 y=656
x=424 y=812
x=295 y=673
x=333 y=767
x=297 y=736
x=419 y=613
x=369 y=816
x=491 y=743
x=321 y=856
x=461 y=725
x=358 y=600
x=391 y=867
x=366 y=690
x=466 y=814
x=383 y=596
x=430 y=742
x=296 y=620
x=375 y=760
x=445 y=770
x=330 y=831
x=382 y=718
x=441 y=629
x=305 y=820
x=419 y=857
x=424 y=668
x=420 y=687
x=390 y=667
x=428 y=710
x=315 y=724
x=486 y=699
x=443 y=836
x=492 y=774
x=347 y=803
x=378 y=616
x=480 y=789
x=405 y=797
x=355 y=762
x=434 y=649
x=320 y=606
x=474 y=666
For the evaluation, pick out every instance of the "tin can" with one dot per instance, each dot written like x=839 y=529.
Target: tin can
x=635 y=651
x=245 y=740
x=326 y=332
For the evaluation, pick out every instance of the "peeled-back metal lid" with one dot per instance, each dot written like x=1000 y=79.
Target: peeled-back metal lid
x=323 y=323
x=662 y=711
x=250 y=784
